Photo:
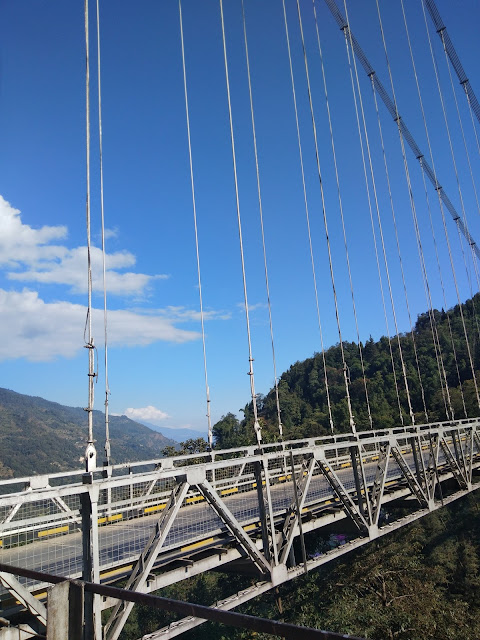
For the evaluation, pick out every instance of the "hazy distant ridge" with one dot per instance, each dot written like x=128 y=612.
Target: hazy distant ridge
x=39 y=436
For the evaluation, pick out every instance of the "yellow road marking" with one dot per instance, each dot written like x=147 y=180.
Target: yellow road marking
x=195 y=545
x=50 y=532
x=115 y=572
x=225 y=492
x=155 y=507
x=194 y=499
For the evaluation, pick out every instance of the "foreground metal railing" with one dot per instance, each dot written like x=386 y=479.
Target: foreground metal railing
x=161 y=521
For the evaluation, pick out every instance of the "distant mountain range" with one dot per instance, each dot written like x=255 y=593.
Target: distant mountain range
x=179 y=434
x=38 y=436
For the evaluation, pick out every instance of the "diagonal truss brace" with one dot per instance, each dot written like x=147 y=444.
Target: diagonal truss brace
x=293 y=514
x=343 y=495
x=432 y=474
x=413 y=483
x=363 y=499
x=454 y=466
x=22 y=594
x=224 y=513
x=379 y=482
x=61 y=504
x=266 y=512
x=146 y=560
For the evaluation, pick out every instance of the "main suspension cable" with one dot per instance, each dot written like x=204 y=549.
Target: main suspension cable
x=475 y=264
x=260 y=208
x=256 y=425
x=307 y=218
x=360 y=54
x=340 y=204
x=454 y=59
x=197 y=250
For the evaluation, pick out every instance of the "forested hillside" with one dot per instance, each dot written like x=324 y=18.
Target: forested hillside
x=302 y=389
x=38 y=436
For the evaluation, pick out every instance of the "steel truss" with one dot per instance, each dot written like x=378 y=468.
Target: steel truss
x=161 y=521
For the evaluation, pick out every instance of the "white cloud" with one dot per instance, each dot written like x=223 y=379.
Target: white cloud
x=41 y=331
x=147 y=414
x=71 y=269
x=111 y=233
x=252 y=307
x=30 y=257
x=21 y=243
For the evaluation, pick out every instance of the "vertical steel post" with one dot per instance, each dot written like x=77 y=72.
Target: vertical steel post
x=90 y=556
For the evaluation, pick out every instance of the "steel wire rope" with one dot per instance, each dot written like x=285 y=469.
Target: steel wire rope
x=440 y=362
x=475 y=264
x=454 y=351
x=385 y=260
x=260 y=208
x=467 y=341
x=102 y=209
x=312 y=260
x=197 y=248
x=325 y=224
x=340 y=204
x=406 y=133
x=447 y=129
x=346 y=31
x=90 y=452
x=257 y=428
x=474 y=126
x=454 y=59
x=397 y=240
x=464 y=211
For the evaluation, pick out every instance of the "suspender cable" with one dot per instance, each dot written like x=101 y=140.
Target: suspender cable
x=308 y=218
x=351 y=58
x=90 y=452
x=325 y=224
x=260 y=208
x=400 y=122
x=467 y=341
x=452 y=153
x=452 y=54
x=440 y=201
x=475 y=265
x=474 y=126
x=105 y=324
x=440 y=363
x=194 y=206
x=340 y=204
x=256 y=424
x=440 y=277
x=397 y=240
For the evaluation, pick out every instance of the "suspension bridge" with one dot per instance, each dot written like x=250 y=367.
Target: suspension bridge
x=250 y=509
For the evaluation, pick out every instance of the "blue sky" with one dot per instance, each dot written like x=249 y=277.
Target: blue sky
x=155 y=353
